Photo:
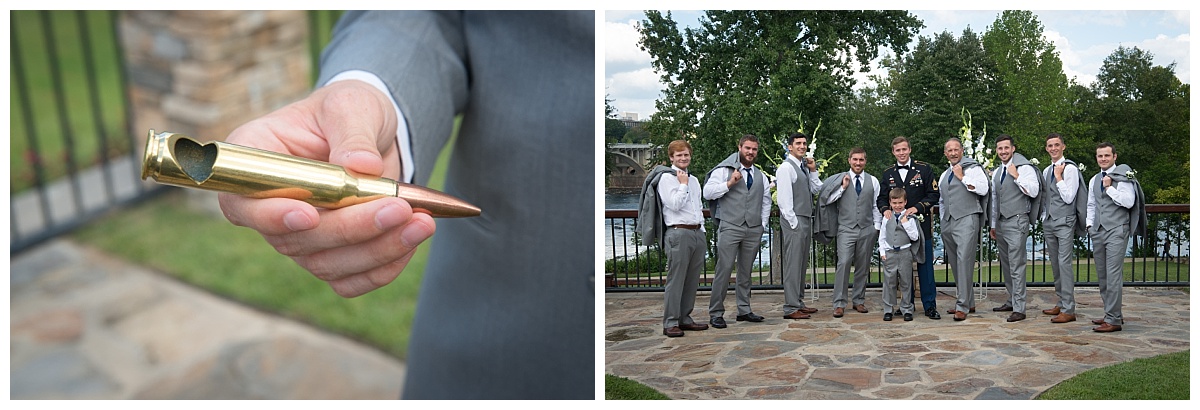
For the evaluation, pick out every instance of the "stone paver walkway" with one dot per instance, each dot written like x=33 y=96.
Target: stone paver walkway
x=84 y=325
x=859 y=356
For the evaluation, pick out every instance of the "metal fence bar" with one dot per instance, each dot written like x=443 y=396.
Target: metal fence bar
x=60 y=101
x=34 y=153
x=823 y=261
x=93 y=82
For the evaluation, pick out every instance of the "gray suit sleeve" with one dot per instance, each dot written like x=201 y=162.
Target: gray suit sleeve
x=420 y=56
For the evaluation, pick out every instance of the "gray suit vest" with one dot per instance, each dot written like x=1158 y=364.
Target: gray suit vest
x=741 y=205
x=1109 y=215
x=1056 y=207
x=895 y=233
x=802 y=197
x=1009 y=197
x=959 y=201
x=854 y=210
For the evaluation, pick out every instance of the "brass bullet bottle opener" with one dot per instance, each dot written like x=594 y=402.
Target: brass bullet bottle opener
x=179 y=160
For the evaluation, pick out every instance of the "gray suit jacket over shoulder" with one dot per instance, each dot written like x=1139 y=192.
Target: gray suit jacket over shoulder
x=506 y=307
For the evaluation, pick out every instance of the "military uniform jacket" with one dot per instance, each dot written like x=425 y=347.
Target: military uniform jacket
x=920 y=188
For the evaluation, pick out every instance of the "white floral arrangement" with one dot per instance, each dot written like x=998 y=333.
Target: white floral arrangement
x=920 y=218
x=1035 y=162
x=1082 y=168
x=976 y=149
x=1131 y=174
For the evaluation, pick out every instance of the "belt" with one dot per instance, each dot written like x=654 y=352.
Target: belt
x=693 y=227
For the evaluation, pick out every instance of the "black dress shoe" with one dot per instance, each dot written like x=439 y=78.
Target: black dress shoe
x=750 y=317
x=887 y=317
x=1016 y=316
x=933 y=314
x=1003 y=308
x=908 y=317
x=673 y=331
x=717 y=322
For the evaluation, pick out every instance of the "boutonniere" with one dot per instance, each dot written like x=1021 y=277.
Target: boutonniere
x=1035 y=161
x=1131 y=174
x=920 y=218
x=1082 y=168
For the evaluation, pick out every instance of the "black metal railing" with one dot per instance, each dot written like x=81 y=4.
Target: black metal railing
x=74 y=156
x=632 y=266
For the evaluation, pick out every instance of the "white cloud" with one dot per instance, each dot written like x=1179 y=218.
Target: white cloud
x=620 y=44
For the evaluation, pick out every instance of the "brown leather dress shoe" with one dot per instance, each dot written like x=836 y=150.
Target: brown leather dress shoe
x=951 y=311
x=1052 y=312
x=799 y=314
x=838 y=312
x=1106 y=327
x=1063 y=318
x=808 y=310
x=673 y=331
x=693 y=326
x=1016 y=316
x=960 y=315
x=1003 y=308
x=860 y=308
x=1099 y=321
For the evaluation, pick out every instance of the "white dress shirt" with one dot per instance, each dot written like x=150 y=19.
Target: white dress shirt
x=1120 y=192
x=1027 y=181
x=785 y=176
x=681 y=203
x=716 y=188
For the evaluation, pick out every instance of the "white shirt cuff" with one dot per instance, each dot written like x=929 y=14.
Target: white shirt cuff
x=402 y=141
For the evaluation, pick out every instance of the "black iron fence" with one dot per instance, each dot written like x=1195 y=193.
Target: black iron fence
x=73 y=156
x=1160 y=259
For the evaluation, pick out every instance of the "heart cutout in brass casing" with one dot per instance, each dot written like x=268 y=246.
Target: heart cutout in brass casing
x=195 y=159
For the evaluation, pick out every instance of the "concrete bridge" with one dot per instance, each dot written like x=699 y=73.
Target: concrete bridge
x=630 y=163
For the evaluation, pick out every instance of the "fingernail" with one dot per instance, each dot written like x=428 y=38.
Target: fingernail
x=297 y=221
x=389 y=217
x=413 y=235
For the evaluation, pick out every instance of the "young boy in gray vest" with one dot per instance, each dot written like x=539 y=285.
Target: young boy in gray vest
x=900 y=242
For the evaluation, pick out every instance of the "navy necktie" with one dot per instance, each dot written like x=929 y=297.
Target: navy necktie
x=749 y=178
x=857 y=185
x=1003 y=174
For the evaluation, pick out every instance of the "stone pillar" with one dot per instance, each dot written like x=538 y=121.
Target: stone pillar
x=204 y=73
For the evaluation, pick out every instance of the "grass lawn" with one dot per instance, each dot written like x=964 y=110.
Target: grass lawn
x=208 y=252
x=1164 y=377
x=620 y=388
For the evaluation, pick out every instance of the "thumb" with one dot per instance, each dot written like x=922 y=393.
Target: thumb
x=359 y=124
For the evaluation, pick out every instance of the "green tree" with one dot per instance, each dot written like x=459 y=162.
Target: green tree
x=1144 y=110
x=613 y=127
x=1033 y=97
x=756 y=71
x=930 y=86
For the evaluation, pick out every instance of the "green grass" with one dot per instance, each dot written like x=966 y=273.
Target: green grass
x=208 y=252
x=620 y=388
x=1164 y=377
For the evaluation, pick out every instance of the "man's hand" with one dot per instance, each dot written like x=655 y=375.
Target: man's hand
x=734 y=178
x=992 y=233
x=355 y=249
x=682 y=177
x=958 y=171
x=811 y=164
x=1012 y=170
x=1107 y=181
x=1058 y=171
x=887 y=214
x=846 y=180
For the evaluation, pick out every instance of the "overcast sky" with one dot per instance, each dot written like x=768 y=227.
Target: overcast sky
x=1083 y=39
